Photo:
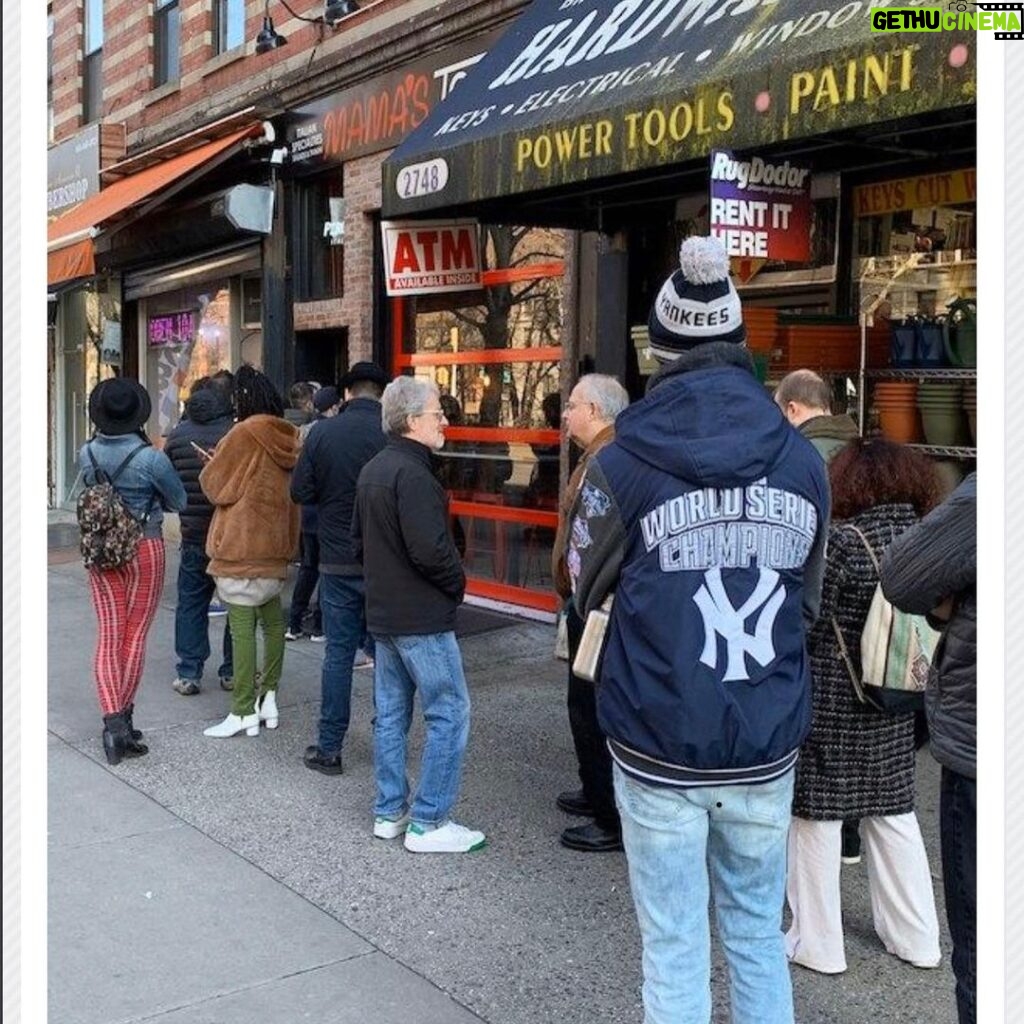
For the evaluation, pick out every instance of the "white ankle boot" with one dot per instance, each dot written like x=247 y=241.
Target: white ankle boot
x=267 y=708
x=234 y=724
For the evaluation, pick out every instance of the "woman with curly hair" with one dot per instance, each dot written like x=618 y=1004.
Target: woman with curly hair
x=253 y=534
x=859 y=762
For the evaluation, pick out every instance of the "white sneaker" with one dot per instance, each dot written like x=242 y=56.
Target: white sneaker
x=390 y=828
x=234 y=724
x=363 y=660
x=447 y=838
x=267 y=709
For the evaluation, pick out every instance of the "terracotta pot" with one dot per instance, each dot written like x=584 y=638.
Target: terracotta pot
x=899 y=425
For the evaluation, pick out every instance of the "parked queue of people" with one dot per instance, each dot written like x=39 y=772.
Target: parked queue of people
x=725 y=762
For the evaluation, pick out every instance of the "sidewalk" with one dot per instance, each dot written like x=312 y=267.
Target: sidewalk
x=220 y=881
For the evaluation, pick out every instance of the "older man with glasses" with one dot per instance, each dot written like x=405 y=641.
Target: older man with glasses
x=414 y=584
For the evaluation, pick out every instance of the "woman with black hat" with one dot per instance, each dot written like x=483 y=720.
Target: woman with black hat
x=125 y=598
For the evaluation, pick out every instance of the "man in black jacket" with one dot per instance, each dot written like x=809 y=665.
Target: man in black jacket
x=208 y=417
x=334 y=452
x=414 y=584
x=932 y=569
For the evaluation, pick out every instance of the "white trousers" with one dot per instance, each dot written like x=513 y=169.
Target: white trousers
x=899 y=880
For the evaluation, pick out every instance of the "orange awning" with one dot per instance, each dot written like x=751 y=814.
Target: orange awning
x=70 y=255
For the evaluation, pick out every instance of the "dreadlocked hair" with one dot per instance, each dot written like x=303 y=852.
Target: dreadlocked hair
x=255 y=394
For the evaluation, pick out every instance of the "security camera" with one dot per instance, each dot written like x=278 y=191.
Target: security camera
x=277 y=156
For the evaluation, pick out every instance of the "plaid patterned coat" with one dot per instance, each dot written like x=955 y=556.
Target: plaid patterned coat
x=857 y=762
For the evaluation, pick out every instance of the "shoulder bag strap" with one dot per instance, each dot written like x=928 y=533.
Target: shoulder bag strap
x=867 y=547
x=844 y=652
x=124 y=463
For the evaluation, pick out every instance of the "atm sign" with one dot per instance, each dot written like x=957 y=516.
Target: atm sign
x=424 y=257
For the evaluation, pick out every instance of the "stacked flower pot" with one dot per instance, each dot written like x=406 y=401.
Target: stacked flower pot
x=898 y=417
x=942 y=413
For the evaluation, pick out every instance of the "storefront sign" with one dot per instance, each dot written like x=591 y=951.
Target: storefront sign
x=73 y=171
x=73 y=168
x=761 y=208
x=422 y=257
x=946 y=188
x=582 y=90
x=377 y=115
x=171 y=329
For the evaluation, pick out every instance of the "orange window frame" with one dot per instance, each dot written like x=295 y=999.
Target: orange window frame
x=401 y=361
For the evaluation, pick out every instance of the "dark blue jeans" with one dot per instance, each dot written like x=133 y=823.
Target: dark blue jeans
x=191 y=625
x=958 y=830
x=344 y=619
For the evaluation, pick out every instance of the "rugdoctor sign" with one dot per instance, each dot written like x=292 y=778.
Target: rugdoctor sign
x=761 y=209
x=422 y=257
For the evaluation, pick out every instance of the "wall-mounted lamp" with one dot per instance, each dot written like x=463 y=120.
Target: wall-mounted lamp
x=334 y=11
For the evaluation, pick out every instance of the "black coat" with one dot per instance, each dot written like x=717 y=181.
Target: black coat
x=208 y=418
x=857 y=762
x=937 y=559
x=334 y=452
x=414 y=578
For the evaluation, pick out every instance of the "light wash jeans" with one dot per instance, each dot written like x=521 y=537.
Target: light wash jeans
x=431 y=664
x=683 y=843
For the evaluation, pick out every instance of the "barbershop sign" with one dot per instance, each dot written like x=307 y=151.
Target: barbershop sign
x=579 y=90
x=761 y=208
x=73 y=171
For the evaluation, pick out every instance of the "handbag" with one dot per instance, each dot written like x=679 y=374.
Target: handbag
x=587 y=663
x=895 y=652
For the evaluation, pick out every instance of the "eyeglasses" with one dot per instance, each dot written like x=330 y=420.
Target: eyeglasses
x=439 y=413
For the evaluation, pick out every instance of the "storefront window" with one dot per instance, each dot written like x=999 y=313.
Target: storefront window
x=318 y=255
x=187 y=336
x=495 y=357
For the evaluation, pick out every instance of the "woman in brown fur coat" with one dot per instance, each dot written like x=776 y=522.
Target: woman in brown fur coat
x=253 y=535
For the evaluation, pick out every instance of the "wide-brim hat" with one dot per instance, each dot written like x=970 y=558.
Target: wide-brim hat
x=365 y=371
x=119 y=406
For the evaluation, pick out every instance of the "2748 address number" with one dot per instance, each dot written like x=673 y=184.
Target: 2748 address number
x=422 y=179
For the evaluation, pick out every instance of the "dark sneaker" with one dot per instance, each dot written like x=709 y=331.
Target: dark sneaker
x=316 y=759
x=572 y=801
x=851 y=842
x=186 y=687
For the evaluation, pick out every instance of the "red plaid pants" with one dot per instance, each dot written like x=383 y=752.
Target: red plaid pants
x=125 y=601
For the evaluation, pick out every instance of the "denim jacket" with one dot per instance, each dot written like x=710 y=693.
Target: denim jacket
x=147 y=484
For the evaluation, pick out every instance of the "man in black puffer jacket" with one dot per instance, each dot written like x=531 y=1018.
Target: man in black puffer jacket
x=208 y=417
x=932 y=569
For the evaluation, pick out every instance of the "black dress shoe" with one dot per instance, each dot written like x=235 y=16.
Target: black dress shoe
x=572 y=801
x=592 y=838
x=316 y=759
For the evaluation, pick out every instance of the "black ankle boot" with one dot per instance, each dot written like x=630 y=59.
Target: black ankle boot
x=134 y=747
x=117 y=739
x=113 y=738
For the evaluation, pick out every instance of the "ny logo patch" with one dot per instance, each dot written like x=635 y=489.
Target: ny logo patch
x=721 y=619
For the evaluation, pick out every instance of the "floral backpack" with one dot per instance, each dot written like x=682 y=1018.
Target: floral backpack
x=110 y=533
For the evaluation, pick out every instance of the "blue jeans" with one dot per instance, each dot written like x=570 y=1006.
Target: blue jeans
x=958 y=803
x=431 y=664
x=344 y=621
x=191 y=625
x=683 y=843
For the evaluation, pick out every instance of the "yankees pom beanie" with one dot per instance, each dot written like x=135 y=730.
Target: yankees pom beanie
x=697 y=304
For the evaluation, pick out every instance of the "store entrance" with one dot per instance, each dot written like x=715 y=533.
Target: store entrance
x=321 y=355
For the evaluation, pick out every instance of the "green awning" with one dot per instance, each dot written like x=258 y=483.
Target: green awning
x=584 y=91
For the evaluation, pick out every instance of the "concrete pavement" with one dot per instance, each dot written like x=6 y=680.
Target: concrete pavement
x=216 y=881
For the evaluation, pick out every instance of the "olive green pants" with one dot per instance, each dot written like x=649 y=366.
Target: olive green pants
x=242 y=620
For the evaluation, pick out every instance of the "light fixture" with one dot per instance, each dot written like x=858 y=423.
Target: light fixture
x=269 y=38
x=336 y=10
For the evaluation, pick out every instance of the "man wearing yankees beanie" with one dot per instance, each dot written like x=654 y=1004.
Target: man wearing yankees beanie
x=705 y=520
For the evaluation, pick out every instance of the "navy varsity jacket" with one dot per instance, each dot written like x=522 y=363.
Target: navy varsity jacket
x=707 y=518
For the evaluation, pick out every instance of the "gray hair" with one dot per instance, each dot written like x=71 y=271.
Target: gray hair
x=402 y=398
x=806 y=388
x=606 y=393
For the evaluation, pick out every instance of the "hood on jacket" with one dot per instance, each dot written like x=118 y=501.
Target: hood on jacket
x=207 y=405
x=832 y=428
x=707 y=419
x=276 y=436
